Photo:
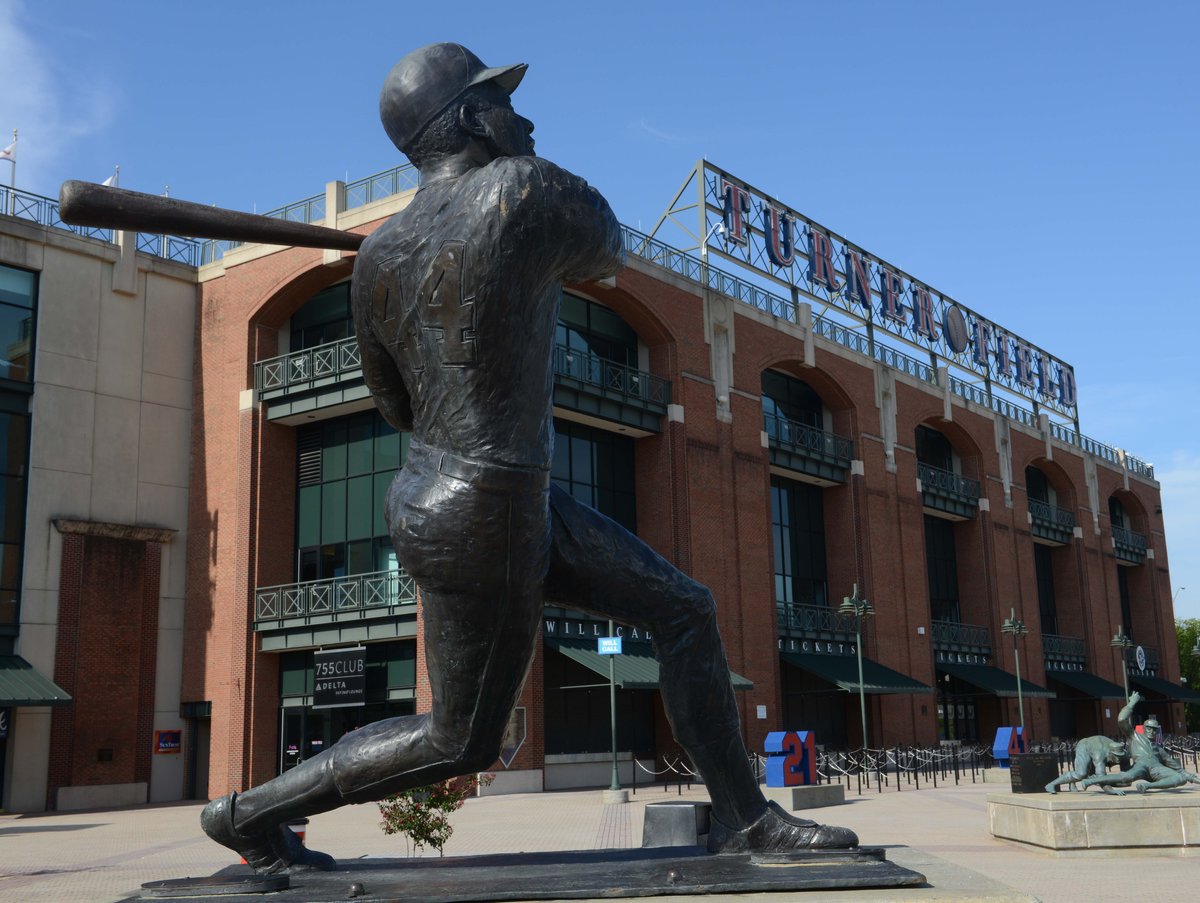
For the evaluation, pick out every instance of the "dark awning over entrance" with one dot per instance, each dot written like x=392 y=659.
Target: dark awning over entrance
x=1164 y=687
x=842 y=670
x=21 y=684
x=1088 y=684
x=993 y=680
x=636 y=667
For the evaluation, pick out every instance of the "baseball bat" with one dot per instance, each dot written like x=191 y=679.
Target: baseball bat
x=105 y=207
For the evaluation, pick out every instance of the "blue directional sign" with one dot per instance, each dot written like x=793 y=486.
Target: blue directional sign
x=608 y=645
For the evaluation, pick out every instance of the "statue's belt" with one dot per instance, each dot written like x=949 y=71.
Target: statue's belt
x=480 y=474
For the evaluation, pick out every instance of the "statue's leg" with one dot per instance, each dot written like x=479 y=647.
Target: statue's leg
x=480 y=560
x=1163 y=778
x=1083 y=764
x=599 y=567
x=1110 y=783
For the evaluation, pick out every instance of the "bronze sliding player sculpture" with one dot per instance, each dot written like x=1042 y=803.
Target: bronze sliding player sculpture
x=455 y=303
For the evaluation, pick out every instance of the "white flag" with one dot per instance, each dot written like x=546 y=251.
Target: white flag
x=108 y=183
x=9 y=153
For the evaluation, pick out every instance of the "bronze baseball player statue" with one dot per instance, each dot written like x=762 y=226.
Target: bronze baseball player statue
x=455 y=303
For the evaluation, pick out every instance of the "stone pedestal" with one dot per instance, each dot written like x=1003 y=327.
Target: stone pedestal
x=811 y=796
x=1093 y=820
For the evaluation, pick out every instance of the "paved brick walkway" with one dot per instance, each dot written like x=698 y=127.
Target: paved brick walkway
x=107 y=855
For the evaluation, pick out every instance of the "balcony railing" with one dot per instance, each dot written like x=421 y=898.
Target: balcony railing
x=951 y=635
x=807 y=449
x=1063 y=650
x=1050 y=522
x=44 y=211
x=1129 y=545
x=380 y=592
x=608 y=377
x=947 y=491
x=302 y=369
x=814 y=621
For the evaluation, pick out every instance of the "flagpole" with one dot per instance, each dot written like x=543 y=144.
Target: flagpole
x=12 y=182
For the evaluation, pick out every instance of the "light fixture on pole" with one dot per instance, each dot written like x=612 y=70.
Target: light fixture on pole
x=1016 y=627
x=1122 y=642
x=857 y=608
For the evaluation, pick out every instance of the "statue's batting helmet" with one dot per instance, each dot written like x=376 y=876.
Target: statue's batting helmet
x=428 y=80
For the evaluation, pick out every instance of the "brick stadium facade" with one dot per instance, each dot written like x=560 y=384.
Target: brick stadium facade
x=704 y=468
x=780 y=458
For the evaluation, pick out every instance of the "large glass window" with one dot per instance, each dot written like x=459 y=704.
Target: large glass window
x=592 y=328
x=596 y=467
x=941 y=563
x=934 y=449
x=324 y=318
x=1123 y=595
x=798 y=534
x=1036 y=485
x=344 y=467
x=1116 y=513
x=18 y=289
x=791 y=398
x=14 y=451
x=1047 y=605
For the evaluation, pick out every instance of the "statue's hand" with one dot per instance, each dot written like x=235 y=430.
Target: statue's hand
x=1135 y=697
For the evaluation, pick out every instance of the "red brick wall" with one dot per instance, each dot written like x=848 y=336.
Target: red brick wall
x=702 y=498
x=106 y=658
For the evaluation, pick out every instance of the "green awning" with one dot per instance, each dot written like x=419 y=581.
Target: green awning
x=636 y=667
x=842 y=670
x=21 y=684
x=1088 y=684
x=1163 y=687
x=993 y=680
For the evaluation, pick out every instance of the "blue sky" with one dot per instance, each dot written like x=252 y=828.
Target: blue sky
x=1036 y=161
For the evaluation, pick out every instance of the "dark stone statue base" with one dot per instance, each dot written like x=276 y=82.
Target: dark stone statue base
x=580 y=875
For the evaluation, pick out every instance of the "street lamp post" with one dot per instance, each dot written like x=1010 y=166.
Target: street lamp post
x=1016 y=627
x=852 y=606
x=1122 y=642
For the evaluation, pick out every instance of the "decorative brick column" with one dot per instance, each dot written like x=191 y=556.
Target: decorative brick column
x=106 y=654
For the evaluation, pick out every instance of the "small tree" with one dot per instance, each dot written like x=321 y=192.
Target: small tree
x=422 y=814
x=1187 y=632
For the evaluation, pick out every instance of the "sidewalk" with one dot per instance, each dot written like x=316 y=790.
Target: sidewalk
x=107 y=855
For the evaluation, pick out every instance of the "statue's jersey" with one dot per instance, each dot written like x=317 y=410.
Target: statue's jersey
x=456 y=301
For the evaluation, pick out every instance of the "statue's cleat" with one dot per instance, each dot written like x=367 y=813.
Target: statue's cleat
x=776 y=831
x=1050 y=788
x=272 y=852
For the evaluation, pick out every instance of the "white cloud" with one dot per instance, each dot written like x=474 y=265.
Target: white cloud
x=51 y=111
x=1180 y=478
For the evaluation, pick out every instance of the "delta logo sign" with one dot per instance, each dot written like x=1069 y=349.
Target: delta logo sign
x=750 y=228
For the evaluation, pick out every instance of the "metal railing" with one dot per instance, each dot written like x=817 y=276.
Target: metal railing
x=332 y=360
x=607 y=376
x=1063 y=648
x=382 y=185
x=361 y=592
x=1102 y=450
x=812 y=619
x=842 y=335
x=952 y=633
x=947 y=481
x=1052 y=515
x=808 y=440
x=898 y=360
x=45 y=212
x=1129 y=539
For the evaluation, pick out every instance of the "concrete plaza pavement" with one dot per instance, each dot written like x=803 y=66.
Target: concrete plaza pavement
x=942 y=832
